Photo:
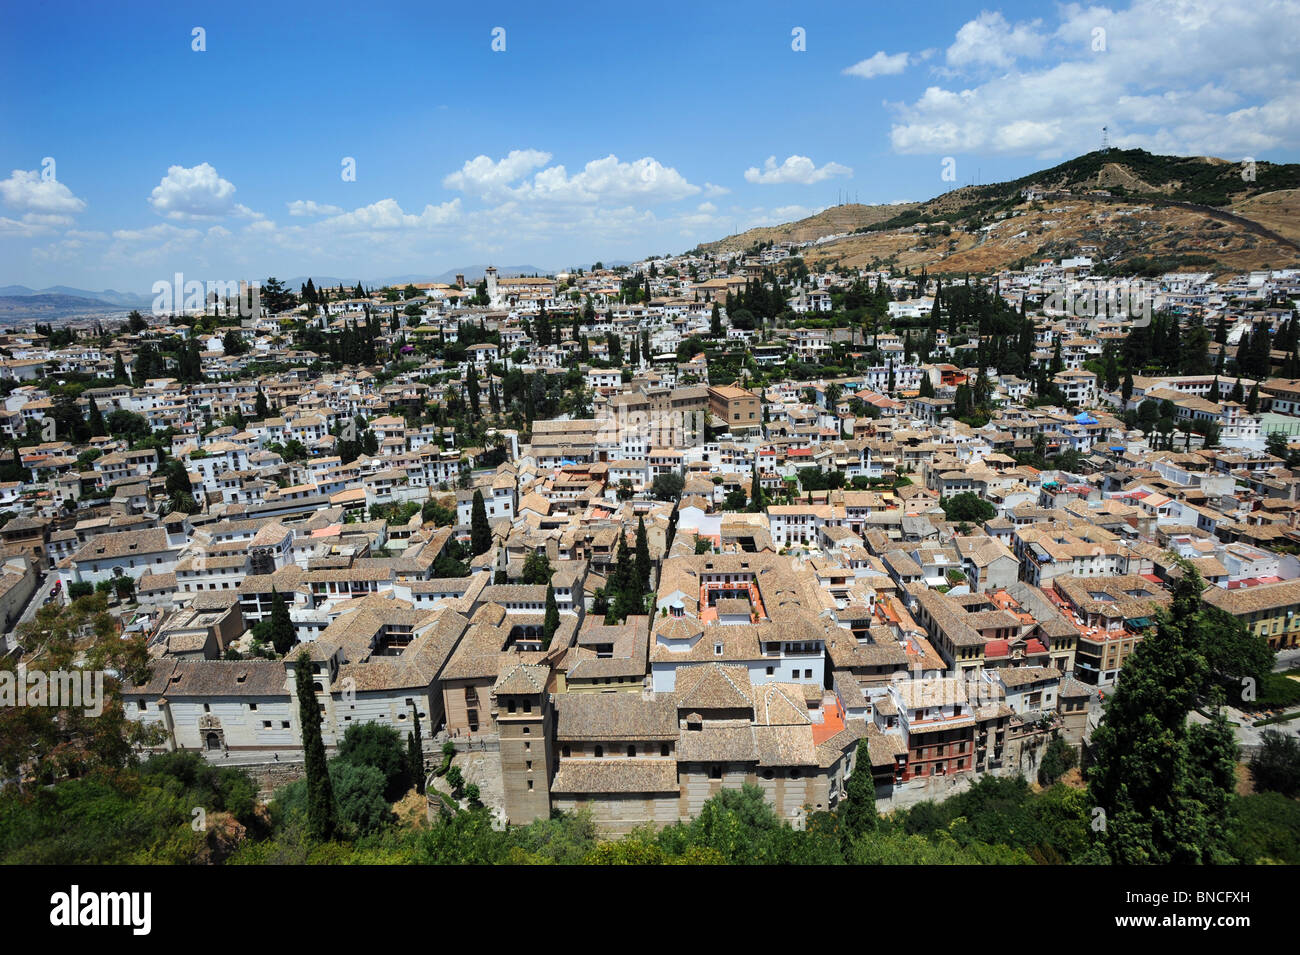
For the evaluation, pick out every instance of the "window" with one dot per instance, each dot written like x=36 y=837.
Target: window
x=530 y=785
x=564 y=751
x=207 y=708
x=284 y=724
x=600 y=751
x=266 y=724
x=252 y=707
x=663 y=749
x=631 y=750
x=141 y=705
x=512 y=706
x=528 y=765
x=715 y=772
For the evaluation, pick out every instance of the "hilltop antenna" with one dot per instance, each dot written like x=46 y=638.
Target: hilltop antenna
x=1105 y=140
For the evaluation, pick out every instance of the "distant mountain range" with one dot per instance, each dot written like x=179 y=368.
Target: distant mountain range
x=62 y=301
x=108 y=298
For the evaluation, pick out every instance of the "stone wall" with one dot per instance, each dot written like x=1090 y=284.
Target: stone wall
x=271 y=776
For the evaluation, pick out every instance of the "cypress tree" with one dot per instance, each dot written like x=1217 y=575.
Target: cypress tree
x=415 y=745
x=282 y=633
x=95 y=420
x=471 y=387
x=480 y=532
x=642 y=557
x=320 y=793
x=552 y=620
x=860 y=809
x=1165 y=785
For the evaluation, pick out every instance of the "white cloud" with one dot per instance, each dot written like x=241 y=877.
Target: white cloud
x=196 y=192
x=26 y=191
x=482 y=177
x=154 y=233
x=38 y=218
x=19 y=229
x=601 y=180
x=309 y=207
x=989 y=40
x=1177 y=76
x=879 y=64
x=607 y=179
x=387 y=215
x=795 y=169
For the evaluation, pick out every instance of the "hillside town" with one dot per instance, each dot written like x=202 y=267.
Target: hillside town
x=635 y=535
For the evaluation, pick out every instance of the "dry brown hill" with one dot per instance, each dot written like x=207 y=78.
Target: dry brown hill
x=832 y=221
x=1114 y=231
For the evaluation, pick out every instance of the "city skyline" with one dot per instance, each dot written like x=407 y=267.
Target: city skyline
x=274 y=150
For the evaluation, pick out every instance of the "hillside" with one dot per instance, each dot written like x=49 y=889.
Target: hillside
x=833 y=221
x=1279 y=211
x=1125 y=208
x=1128 y=236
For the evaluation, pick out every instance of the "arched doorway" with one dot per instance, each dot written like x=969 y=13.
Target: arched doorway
x=213 y=741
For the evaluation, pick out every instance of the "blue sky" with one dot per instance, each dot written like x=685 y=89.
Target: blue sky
x=600 y=132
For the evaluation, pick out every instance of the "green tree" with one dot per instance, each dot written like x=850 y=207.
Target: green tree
x=1059 y=758
x=1276 y=767
x=379 y=747
x=358 y=792
x=537 y=568
x=1164 y=786
x=968 y=507
x=552 y=619
x=667 y=487
x=643 y=566
x=859 y=811
x=321 y=815
x=415 y=751
x=95 y=420
x=282 y=635
x=480 y=532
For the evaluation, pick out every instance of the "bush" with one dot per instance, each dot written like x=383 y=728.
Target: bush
x=1059 y=759
x=82 y=588
x=456 y=780
x=1276 y=767
x=378 y=747
x=1277 y=689
x=1266 y=827
x=667 y=487
x=359 y=797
